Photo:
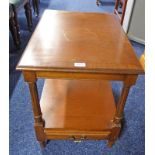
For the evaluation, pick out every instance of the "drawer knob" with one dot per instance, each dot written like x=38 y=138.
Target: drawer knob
x=78 y=139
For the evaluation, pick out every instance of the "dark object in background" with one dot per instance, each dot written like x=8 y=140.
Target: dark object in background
x=122 y=4
x=14 y=6
x=36 y=7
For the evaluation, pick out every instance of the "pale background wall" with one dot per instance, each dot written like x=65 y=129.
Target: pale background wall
x=128 y=13
x=134 y=21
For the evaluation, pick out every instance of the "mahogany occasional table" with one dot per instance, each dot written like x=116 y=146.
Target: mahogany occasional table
x=78 y=54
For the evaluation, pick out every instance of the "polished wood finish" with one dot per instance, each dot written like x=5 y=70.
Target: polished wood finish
x=39 y=122
x=123 y=4
x=77 y=102
x=104 y=46
x=142 y=60
x=76 y=134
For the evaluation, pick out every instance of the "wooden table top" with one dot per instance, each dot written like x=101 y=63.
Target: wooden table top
x=72 y=41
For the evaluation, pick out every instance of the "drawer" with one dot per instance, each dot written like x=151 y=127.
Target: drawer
x=77 y=135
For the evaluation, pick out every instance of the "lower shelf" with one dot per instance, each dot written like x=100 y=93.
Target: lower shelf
x=77 y=106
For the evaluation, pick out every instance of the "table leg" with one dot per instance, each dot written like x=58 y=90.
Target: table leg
x=42 y=144
x=117 y=121
x=28 y=14
x=39 y=122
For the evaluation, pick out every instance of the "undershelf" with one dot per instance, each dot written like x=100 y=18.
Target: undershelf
x=77 y=105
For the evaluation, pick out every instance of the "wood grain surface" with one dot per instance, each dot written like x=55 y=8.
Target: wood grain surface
x=85 y=105
x=62 y=39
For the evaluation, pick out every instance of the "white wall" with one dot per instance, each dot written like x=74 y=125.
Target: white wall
x=128 y=13
x=136 y=27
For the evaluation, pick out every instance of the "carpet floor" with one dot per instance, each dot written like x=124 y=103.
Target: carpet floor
x=21 y=132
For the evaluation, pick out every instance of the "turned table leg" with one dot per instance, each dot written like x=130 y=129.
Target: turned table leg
x=39 y=122
x=42 y=144
x=28 y=14
x=117 y=121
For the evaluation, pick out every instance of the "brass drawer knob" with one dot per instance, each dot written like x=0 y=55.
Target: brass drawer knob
x=78 y=139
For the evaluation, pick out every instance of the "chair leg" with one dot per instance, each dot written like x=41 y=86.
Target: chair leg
x=36 y=6
x=116 y=6
x=28 y=14
x=15 y=24
x=14 y=32
x=97 y=2
x=123 y=11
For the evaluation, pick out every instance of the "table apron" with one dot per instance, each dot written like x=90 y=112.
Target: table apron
x=76 y=75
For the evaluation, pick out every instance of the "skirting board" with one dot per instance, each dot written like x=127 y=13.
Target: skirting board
x=131 y=37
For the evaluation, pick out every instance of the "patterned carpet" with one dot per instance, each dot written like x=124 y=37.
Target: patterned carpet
x=22 y=136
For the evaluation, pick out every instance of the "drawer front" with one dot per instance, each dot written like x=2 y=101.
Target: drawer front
x=77 y=135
